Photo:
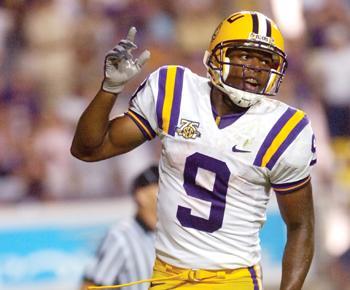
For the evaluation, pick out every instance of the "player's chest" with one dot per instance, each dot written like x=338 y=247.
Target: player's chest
x=236 y=143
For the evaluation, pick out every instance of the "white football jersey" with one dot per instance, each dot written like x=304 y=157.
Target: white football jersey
x=216 y=173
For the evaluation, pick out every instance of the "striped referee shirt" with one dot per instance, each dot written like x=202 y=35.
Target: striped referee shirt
x=126 y=254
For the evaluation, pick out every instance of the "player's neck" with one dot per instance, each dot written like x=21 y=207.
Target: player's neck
x=222 y=103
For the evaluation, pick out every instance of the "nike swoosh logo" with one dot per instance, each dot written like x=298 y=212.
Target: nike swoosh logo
x=235 y=149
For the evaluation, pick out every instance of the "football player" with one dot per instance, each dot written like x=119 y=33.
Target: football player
x=226 y=143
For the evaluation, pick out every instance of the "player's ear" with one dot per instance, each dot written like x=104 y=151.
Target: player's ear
x=139 y=197
x=146 y=196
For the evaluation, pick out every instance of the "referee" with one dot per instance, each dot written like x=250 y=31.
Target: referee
x=127 y=251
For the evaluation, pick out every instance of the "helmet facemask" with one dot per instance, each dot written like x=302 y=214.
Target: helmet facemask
x=245 y=84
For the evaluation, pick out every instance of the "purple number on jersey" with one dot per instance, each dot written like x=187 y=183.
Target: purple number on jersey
x=217 y=197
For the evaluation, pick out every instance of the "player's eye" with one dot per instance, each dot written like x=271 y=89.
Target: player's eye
x=266 y=61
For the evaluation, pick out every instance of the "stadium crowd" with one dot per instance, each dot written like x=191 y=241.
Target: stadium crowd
x=49 y=52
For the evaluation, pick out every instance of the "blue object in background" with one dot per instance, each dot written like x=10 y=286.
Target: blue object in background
x=273 y=237
x=36 y=256
x=46 y=254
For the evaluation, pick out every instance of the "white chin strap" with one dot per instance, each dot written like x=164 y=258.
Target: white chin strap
x=240 y=98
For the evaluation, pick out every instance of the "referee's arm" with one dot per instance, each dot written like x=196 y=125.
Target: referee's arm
x=97 y=273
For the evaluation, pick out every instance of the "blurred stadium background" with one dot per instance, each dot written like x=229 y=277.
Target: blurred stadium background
x=54 y=209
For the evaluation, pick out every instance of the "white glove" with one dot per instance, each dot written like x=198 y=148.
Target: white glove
x=120 y=67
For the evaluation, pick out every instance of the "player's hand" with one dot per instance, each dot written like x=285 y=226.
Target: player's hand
x=120 y=66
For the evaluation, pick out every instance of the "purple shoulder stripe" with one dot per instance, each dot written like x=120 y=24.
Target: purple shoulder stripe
x=175 y=110
x=161 y=95
x=169 y=93
x=291 y=137
x=272 y=134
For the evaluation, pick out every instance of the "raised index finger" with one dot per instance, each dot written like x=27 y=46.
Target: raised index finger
x=131 y=34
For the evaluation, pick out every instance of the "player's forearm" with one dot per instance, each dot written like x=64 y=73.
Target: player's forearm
x=90 y=142
x=93 y=123
x=297 y=256
x=85 y=284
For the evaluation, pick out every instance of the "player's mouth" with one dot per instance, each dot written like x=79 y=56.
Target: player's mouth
x=251 y=85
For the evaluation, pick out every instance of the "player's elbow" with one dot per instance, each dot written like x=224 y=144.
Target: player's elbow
x=305 y=225
x=302 y=231
x=80 y=154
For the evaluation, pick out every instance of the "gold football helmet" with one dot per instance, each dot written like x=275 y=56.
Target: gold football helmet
x=246 y=31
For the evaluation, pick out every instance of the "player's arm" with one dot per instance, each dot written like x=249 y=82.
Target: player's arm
x=96 y=137
x=298 y=213
x=85 y=284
